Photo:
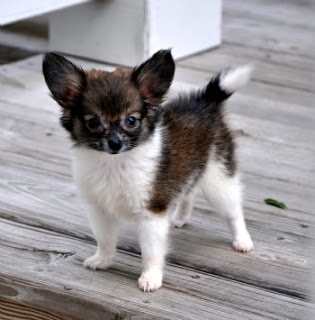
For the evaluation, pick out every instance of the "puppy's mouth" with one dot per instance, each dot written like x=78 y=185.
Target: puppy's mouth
x=121 y=150
x=103 y=147
x=113 y=152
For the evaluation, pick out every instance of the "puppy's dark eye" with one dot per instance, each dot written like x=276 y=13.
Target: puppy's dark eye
x=93 y=123
x=131 y=122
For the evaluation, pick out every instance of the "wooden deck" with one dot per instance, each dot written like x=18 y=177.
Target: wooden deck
x=44 y=234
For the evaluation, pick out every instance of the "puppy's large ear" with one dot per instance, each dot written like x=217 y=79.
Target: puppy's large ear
x=65 y=80
x=154 y=76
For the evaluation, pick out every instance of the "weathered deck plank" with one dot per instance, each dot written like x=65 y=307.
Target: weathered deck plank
x=25 y=144
x=10 y=310
x=44 y=235
x=53 y=266
x=274 y=26
x=274 y=35
x=204 y=244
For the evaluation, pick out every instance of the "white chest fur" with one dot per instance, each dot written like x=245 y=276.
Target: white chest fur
x=117 y=184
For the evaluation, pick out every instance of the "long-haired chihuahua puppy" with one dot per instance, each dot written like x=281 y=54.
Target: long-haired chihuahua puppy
x=134 y=157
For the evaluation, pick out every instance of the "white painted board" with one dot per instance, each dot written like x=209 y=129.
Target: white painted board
x=15 y=10
x=185 y=26
x=127 y=32
x=111 y=31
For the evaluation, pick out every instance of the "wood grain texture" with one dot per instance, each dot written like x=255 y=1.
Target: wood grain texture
x=44 y=234
x=275 y=71
x=25 y=144
x=10 y=310
x=275 y=36
x=51 y=191
x=274 y=26
x=52 y=269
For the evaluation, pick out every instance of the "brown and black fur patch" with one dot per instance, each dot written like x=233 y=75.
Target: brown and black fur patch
x=193 y=126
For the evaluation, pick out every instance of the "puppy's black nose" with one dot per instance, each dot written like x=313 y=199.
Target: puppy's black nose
x=114 y=143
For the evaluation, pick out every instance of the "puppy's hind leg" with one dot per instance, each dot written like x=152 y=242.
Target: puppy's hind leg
x=184 y=209
x=225 y=193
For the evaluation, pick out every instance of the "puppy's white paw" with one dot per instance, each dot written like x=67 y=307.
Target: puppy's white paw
x=150 y=281
x=178 y=223
x=97 y=262
x=243 y=244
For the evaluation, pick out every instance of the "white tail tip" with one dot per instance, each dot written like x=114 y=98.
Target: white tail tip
x=235 y=79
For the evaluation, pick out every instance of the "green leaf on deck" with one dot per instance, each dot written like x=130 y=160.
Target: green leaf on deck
x=275 y=203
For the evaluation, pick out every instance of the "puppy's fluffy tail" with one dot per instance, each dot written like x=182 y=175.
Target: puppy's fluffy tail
x=224 y=84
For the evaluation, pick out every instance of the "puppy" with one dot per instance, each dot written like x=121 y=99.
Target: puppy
x=136 y=158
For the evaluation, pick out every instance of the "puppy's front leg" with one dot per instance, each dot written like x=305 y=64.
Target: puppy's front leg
x=153 y=244
x=105 y=231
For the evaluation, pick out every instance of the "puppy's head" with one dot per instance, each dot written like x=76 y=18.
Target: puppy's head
x=109 y=111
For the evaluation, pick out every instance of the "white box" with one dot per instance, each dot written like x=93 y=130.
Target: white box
x=127 y=32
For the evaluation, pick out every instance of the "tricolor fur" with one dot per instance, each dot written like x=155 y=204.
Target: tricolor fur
x=137 y=158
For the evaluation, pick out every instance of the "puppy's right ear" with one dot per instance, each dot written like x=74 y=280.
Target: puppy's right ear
x=154 y=77
x=65 y=80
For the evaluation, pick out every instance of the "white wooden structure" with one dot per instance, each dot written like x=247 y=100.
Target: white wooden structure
x=16 y=10
x=122 y=31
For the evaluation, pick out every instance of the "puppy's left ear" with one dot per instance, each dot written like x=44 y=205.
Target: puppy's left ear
x=64 y=79
x=154 y=77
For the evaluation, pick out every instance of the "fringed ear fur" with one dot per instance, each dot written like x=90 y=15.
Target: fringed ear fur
x=154 y=77
x=64 y=79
